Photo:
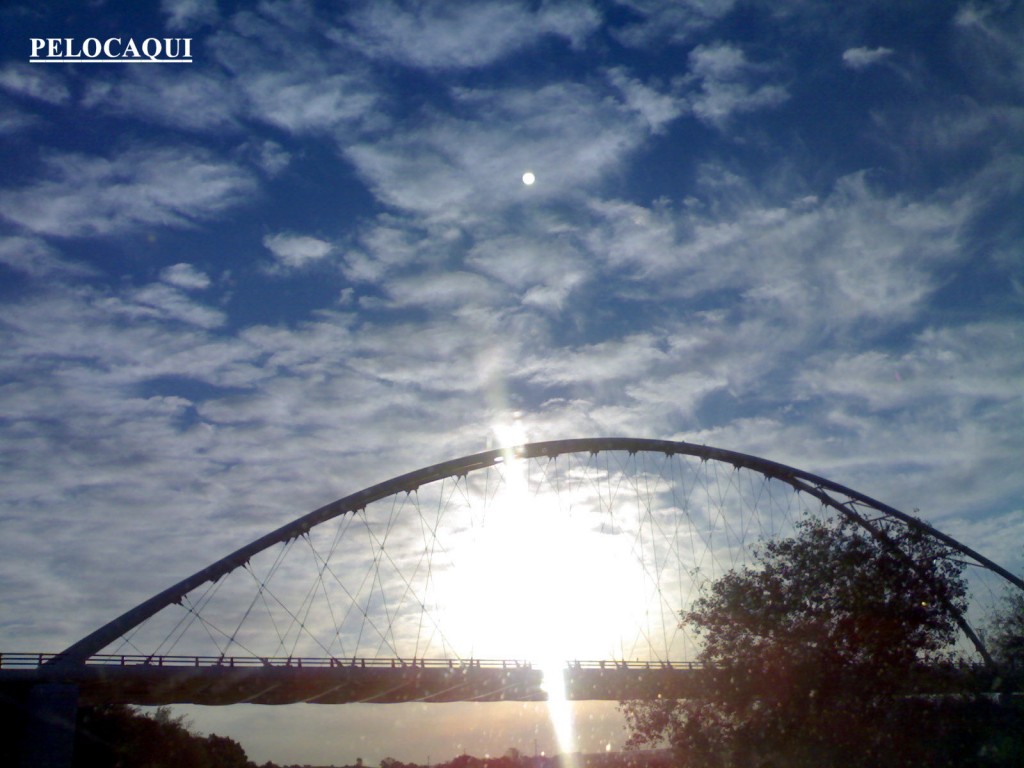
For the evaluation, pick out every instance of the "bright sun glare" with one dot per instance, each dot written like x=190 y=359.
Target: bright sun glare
x=537 y=582
x=529 y=178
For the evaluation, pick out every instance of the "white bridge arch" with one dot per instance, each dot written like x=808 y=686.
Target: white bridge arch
x=464 y=559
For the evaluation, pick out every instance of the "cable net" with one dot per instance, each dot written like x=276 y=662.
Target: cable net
x=579 y=556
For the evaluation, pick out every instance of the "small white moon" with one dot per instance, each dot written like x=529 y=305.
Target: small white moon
x=529 y=178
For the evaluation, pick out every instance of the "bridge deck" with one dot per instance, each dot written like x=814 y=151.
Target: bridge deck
x=234 y=680
x=213 y=680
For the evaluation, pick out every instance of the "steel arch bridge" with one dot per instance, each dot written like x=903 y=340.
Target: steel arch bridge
x=471 y=579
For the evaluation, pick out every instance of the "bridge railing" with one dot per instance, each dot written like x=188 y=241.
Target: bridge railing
x=33 y=660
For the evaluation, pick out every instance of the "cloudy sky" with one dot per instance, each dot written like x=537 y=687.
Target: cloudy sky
x=236 y=289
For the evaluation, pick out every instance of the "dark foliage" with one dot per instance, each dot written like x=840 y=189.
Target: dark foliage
x=117 y=736
x=1006 y=635
x=817 y=650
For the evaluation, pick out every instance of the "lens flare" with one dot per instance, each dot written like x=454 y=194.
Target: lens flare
x=549 y=651
x=538 y=576
x=559 y=708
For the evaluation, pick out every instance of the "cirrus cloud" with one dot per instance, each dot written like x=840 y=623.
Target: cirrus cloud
x=862 y=58
x=93 y=195
x=296 y=251
x=452 y=35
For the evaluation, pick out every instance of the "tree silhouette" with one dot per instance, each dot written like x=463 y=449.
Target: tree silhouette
x=115 y=735
x=814 y=652
x=1006 y=635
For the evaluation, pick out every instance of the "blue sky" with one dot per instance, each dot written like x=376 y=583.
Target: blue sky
x=233 y=290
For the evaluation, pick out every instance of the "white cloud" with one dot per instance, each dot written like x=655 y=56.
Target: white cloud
x=307 y=102
x=182 y=99
x=186 y=277
x=988 y=38
x=296 y=251
x=85 y=329
x=963 y=368
x=273 y=77
x=543 y=273
x=450 y=35
x=640 y=238
x=449 y=167
x=14 y=120
x=720 y=61
x=657 y=108
x=283 y=75
x=962 y=124
x=728 y=84
x=857 y=255
x=36 y=258
x=905 y=460
x=387 y=246
x=88 y=195
x=164 y=302
x=675 y=394
x=629 y=358
x=270 y=156
x=942 y=413
x=454 y=289
x=668 y=21
x=442 y=356
x=34 y=82
x=862 y=58
x=185 y=15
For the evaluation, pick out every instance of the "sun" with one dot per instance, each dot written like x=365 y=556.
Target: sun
x=532 y=578
x=529 y=178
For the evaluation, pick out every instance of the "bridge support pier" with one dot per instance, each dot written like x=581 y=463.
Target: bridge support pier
x=48 y=739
